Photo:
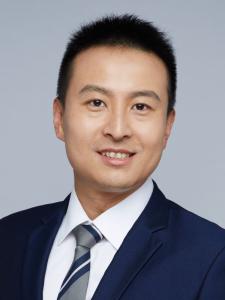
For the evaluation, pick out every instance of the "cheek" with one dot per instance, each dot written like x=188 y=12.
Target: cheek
x=79 y=135
x=152 y=135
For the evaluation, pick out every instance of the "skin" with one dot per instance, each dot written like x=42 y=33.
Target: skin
x=101 y=111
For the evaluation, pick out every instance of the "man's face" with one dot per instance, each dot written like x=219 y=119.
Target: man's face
x=116 y=101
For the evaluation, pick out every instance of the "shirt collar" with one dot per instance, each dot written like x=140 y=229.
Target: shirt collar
x=115 y=222
x=75 y=215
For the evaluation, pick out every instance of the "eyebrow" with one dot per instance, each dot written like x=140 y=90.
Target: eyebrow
x=104 y=91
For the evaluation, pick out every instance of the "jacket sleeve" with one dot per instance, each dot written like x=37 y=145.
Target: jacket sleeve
x=213 y=286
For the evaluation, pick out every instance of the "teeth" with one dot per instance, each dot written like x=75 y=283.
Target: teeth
x=115 y=155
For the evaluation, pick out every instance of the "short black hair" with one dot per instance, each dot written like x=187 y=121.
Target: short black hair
x=119 y=30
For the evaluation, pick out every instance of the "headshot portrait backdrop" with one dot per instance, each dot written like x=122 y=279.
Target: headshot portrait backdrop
x=34 y=169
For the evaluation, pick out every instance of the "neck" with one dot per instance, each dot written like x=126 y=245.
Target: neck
x=95 y=202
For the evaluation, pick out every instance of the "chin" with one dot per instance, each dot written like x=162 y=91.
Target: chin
x=117 y=186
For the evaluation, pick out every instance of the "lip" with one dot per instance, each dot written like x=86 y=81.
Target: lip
x=116 y=161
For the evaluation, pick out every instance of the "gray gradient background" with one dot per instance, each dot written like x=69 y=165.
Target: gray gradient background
x=33 y=164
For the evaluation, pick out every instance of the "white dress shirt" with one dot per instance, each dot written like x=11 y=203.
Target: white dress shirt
x=114 y=224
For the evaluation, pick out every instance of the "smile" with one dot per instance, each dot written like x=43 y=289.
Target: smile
x=118 y=158
x=117 y=155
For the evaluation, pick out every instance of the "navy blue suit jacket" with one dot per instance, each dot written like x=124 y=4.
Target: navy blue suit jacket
x=169 y=254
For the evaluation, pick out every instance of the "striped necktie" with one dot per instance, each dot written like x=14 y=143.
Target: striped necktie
x=74 y=286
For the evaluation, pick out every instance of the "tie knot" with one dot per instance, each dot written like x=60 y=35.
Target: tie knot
x=87 y=235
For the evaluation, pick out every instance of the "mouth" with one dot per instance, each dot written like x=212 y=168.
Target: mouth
x=116 y=154
x=119 y=157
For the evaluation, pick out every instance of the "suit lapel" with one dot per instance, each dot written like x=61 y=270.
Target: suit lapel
x=38 y=250
x=141 y=243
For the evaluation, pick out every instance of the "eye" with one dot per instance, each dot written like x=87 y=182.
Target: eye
x=96 y=103
x=142 y=106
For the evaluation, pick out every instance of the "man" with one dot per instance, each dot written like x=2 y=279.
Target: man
x=115 y=236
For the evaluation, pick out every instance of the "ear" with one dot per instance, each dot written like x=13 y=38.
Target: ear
x=58 y=111
x=169 y=124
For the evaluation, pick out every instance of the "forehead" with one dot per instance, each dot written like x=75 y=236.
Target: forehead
x=105 y=54
x=119 y=68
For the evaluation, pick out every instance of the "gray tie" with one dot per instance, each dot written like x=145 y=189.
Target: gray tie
x=74 y=286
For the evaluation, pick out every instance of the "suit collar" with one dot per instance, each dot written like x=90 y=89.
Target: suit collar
x=142 y=242
x=59 y=209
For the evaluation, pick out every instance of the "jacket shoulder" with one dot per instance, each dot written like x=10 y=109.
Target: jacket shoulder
x=195 y=228
x=27 y=219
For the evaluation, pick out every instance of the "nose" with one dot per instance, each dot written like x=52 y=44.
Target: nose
x=117 y=126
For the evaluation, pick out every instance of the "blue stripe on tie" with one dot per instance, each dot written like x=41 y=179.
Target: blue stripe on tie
x=76 y=276
x=93 y=232
x=76 y=264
